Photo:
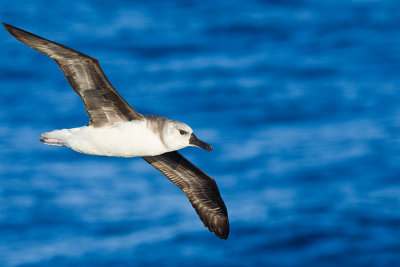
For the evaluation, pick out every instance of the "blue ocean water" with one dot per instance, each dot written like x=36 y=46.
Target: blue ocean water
x=300 y=100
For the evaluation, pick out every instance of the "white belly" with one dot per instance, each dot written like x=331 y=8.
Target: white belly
x=125 y=139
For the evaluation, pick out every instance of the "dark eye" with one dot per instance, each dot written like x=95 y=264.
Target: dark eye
x=182 y=132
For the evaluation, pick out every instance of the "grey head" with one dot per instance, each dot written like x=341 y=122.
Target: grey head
x=174 y=134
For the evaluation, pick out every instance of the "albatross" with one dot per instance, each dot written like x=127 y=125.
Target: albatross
x=116 y=129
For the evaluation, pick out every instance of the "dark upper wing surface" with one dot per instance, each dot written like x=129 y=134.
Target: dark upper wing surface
x=102 y=102
x=200 y=188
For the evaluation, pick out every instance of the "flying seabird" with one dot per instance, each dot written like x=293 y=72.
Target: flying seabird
x=116 y=129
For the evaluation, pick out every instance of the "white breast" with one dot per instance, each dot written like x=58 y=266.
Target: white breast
x=125 y=139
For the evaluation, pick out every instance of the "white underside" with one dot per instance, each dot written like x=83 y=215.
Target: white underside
x=124 y=139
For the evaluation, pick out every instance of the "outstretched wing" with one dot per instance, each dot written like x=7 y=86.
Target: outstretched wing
x=102 y=102
x=200 y=188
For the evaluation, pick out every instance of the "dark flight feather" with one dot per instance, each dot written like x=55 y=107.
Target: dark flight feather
x=102 y=102
x=200 y=188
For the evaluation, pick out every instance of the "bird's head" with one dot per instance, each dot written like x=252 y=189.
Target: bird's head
x=178 y=135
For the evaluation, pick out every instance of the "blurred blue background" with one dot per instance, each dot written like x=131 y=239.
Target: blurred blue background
x=300 y=100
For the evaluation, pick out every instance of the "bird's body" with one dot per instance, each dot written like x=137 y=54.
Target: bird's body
x=120 y=139
x=116 y=129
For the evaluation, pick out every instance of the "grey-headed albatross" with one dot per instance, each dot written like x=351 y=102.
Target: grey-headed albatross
x=116 y=129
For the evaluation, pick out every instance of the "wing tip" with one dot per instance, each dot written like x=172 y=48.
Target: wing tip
x=16 y=32
x=7 y=26
x=222 y=228
x=219 y=225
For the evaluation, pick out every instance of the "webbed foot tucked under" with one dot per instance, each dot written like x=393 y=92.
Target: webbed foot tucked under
x=55 y=138
x=51 y=141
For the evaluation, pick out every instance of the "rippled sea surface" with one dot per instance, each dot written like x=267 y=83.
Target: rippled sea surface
x=300 y=100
